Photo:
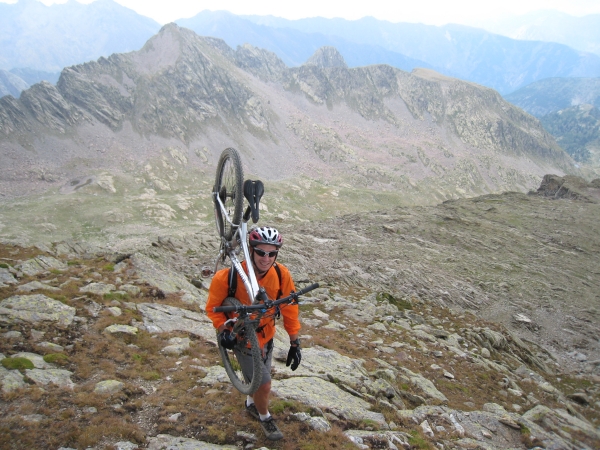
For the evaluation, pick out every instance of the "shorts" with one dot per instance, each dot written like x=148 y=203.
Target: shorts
x=245 y=360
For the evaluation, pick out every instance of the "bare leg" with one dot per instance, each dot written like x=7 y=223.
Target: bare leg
x=261 y=398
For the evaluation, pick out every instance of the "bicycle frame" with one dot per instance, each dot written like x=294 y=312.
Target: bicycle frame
x=229 y=248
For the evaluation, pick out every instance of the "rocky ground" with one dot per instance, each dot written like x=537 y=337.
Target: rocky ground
x=471 y=324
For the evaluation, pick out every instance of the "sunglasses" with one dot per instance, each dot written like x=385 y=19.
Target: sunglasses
x=261 y=253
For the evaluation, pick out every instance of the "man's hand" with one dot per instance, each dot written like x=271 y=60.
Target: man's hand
x=294 y=357
x=226 y=339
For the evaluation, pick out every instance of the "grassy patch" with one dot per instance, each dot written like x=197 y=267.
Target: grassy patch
x=115 y=296
x=417 y=440
x=368 y=424
x=17 y=364
x=150 y=375
x=56 y=358
x=278 y=406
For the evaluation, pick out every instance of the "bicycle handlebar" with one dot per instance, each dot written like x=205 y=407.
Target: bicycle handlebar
x=269 y=303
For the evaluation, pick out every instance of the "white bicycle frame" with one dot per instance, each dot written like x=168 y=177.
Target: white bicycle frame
x=230 y=248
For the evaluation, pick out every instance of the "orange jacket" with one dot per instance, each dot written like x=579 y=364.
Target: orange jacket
x=219 y=288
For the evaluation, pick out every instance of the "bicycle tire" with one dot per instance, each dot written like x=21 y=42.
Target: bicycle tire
x=229 y=186
x=231 y=363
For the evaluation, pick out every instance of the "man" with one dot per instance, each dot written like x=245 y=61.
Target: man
x=265 y=243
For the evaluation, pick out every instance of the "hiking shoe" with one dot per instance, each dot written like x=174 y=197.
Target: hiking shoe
x=270 y=428
x=251 y=409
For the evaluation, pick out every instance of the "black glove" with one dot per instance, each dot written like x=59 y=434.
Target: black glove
x=294 y=355
x=226 y=339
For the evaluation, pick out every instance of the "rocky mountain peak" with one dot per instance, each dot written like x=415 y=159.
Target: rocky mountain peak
x=327 y=57
x=195 y=95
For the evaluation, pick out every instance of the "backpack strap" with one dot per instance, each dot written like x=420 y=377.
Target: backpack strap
x=232 y=280
x=278 y=270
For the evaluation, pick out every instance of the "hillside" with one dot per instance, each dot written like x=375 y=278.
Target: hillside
x=469 y=324
x=577 y=130
x=553 y=94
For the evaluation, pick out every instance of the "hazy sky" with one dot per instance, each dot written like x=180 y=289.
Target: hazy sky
x=432 y=12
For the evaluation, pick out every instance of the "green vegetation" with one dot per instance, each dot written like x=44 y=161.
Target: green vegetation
x=56 y=358
x=370 y=424
x=150 y=375
x=17 y=364
x=116 y=296
x=278 y=406
x=418 y=440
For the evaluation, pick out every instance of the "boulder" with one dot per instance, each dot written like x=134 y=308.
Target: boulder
x=40 y=264
x=108 y=387
x=35 y=308
x=322 y=394
x=98 y=288
x=159 y=275
x=164 y=318
x=44 y=377
x=165 y=441
x=10 y=380
x=425 y=388
x=6 y=277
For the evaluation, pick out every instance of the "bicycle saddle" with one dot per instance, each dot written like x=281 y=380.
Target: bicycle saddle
x=253 y=191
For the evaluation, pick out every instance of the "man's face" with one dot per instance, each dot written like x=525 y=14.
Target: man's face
x=264 y=263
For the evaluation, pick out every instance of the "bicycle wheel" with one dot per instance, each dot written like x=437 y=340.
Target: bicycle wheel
x=228 y=186
x=230 y=360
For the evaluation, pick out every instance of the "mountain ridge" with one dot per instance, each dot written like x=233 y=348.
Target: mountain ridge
x=454 y=47
x=51 y=38
x=187 y=92
x=580 y=33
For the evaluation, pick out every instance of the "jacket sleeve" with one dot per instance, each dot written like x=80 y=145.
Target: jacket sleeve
x=217 y=292
x=290 y=313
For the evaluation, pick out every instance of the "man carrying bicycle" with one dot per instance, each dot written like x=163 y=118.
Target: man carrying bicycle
x=265 y=243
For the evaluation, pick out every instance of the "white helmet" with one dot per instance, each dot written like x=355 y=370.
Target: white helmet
x=265 y=235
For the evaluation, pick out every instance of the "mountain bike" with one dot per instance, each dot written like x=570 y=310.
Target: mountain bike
x=229 y=192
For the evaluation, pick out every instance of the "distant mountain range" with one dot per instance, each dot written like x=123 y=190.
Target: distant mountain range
x=14 y=81
x=553 y=94
x=49 y=38
x=577 y=130
x=580 y=33
x=39 y=37
x=569 y=109
x=454 y=50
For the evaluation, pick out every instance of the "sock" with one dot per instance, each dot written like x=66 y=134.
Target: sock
x=249 y=401
x=264 y=417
